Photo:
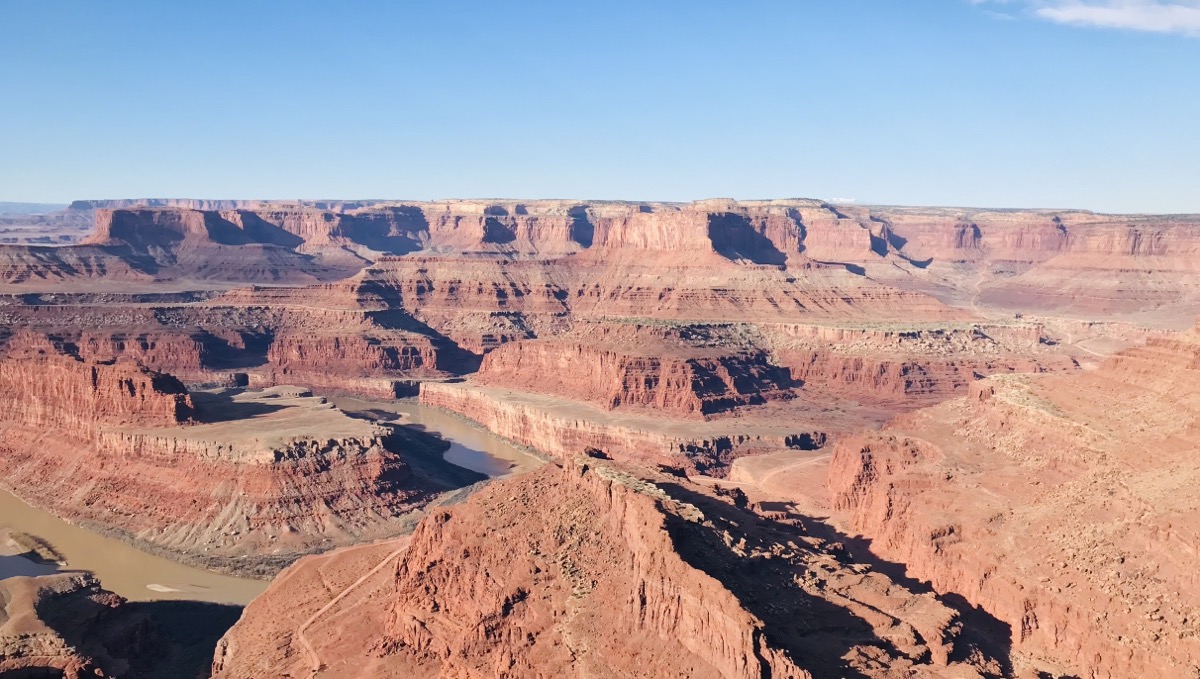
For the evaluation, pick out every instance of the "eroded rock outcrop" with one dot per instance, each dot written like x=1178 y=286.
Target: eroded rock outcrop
x=564 y=429
x=241 y=482
x=67 y=626
x=1058 y=260
x=1062 y=505
x=591 y=570
x=265 y=334
x=909 y=366
x=677 y=372
x=41 y=388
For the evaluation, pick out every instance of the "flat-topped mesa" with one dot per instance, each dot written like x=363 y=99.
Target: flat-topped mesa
x=543 y=230
x=633 y=367
x=964 y=234
x=563 y=428
x=169 y=234
x=908 y=366
x=762 y=232
x=522 y=581
x=259 y=479
x=1007 y=258
x=1064 y=505
x=159 y=228
x=205 y=204
x=1091 y=264
x=40 y=387
x=171 y=243
x=705 y=233
x=251 y=482
x=252 y=241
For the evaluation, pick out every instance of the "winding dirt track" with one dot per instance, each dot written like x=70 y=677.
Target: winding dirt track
x=313 y=656
x=803 y=463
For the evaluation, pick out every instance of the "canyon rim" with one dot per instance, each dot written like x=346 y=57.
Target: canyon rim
x=583 y=369
x=748 y=438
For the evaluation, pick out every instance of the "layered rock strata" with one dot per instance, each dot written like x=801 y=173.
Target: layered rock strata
x=67 y=626
x=1069 y=261
x=909 y=365
x=41 y=388
x=237 y=482
x=1061 y=505
x=564 y=429
x=640 y=368
x=590 y=570
x=272 y=340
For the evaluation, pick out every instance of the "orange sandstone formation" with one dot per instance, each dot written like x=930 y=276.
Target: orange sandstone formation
x=1069 y=261
x=67 y=626
x=682 y=335
x=1062 y=505
x=589 y=570
x=680 y=372
x=236 y=482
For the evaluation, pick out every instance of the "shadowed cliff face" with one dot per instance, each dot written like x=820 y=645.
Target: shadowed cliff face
x=1064 y=506
x=734 y=236
x=1003 y=257
x=235 y=481
x=590 y=570
x=66 y=626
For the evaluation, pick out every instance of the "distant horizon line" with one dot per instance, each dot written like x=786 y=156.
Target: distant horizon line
x=835 y=202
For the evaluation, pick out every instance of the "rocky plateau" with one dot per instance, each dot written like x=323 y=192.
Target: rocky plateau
x=783 y=438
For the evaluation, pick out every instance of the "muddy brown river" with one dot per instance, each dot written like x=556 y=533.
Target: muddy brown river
x=470 y=446
x=139 y=576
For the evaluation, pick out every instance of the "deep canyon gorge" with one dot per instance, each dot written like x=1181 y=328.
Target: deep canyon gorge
x=719 y=439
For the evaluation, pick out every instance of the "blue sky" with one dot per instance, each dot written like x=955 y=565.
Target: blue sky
x=1040 y=103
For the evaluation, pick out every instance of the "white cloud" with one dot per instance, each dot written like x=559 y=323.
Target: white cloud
x=1155 y=16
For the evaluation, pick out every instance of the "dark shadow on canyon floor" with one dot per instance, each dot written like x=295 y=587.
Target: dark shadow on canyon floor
x=815 y=631
x=981 y=630
x=221 y=407
x=159 y=639
x=184 y=636
x=424 y=452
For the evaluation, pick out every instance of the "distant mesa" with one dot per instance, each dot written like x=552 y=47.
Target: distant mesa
x=875 y=441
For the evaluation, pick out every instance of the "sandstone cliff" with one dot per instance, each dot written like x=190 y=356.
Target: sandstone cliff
x=564 y=429
x=589 y=570
x=1061 y=260
x=908 y=366
x=640 y=368
x=173 y=243
x=263 y=334
x=242 y=482
x=41 y=388
x=1061 y=505
x=67 y=626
